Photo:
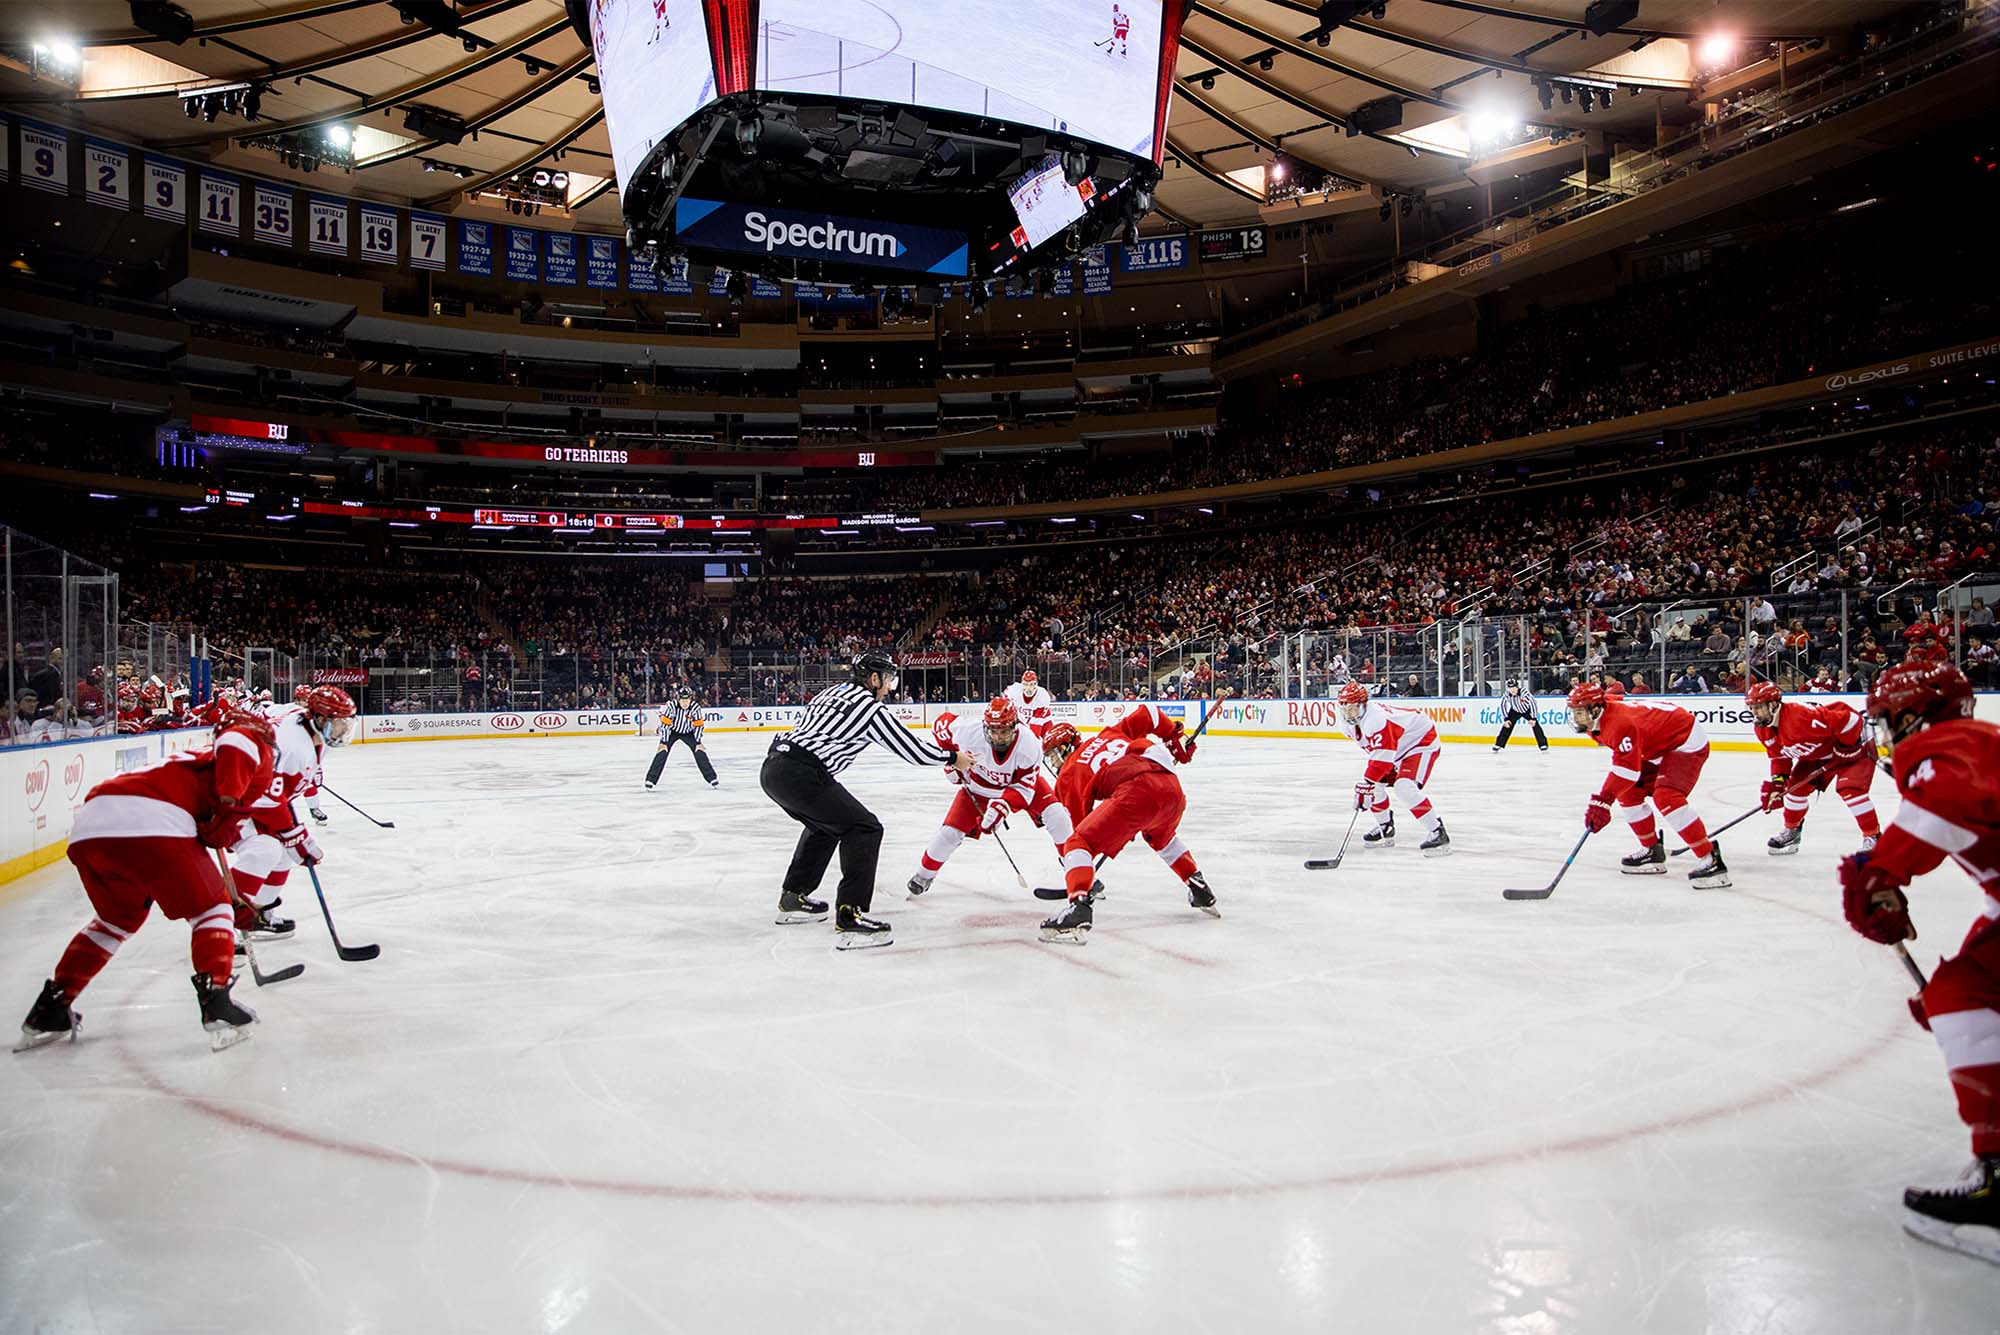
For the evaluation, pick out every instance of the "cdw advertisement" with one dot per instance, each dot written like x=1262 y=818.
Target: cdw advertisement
x=42 y=786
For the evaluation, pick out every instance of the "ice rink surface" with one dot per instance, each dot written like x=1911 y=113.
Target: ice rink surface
x=589 y=1086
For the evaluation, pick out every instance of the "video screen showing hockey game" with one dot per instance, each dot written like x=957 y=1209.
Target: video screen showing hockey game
x=1080 y=67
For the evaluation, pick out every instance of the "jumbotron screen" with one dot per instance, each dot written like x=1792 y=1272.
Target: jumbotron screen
x=1088 y=68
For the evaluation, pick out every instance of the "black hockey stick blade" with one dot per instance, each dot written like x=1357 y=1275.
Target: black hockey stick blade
x=1328 y=864
x=352 y=954
x=262 y=979
x=1062 y=892
x=1545 y=891
x=383 y=824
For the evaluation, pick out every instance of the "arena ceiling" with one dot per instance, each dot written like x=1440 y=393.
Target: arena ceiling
x=518 y=77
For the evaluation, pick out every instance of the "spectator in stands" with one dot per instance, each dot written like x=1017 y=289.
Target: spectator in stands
x=1925 y=633
x=1718 y=643
x=47 y=681
x=1688 y=682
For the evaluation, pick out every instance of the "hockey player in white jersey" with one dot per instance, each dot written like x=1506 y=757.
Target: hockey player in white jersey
x=1401 y=746
x=1006 y=777
x=1032 y=702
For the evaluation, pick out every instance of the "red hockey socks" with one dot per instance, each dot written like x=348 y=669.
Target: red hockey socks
x=213 y=947
x=88 y=952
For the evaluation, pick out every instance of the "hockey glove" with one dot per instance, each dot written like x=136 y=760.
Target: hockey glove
x=1598 y=814
x=996 y=811
x=1181 y=747
x=1874 y=902
x=305 y=850
x=1364 y=795
x=1772 y=795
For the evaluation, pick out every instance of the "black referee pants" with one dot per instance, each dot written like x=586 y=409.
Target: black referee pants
x=1507 y=730
x=667 y=748
x=833 y=818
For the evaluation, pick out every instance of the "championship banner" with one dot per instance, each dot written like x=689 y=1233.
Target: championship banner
x=271 y=216
x=1065 y=284
x=1097 y=271
x=559 y=259
x=640 y=276
x=221 y=204
x=1155 y=253
x=166 y=190
x=107 y=174
x=426 y=241
x=44 y=158
x=600 y=261
x=329 y=226
x=475 y=249
x=378 y=235
x=676 y=283
x=764 y=289
x=797 y=234
x=523 y=256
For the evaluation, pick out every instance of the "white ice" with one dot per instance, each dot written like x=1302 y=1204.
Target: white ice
x=590 y=1087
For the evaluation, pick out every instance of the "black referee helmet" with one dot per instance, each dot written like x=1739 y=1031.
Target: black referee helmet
x=870 y=661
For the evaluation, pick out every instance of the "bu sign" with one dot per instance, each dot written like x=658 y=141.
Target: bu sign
x=794 y=234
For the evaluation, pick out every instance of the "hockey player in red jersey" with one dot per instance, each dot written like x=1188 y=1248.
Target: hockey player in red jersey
x=141 y=838
x=276 y=839
x=1947 y=769
x=1402 y=748
x=1118 y=786
x=1121 y=28
x=1657 y=753
x=1006 y=777
x=1812 y=746
x=1032 y=702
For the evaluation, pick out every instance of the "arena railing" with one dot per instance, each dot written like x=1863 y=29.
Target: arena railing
x=61 y=645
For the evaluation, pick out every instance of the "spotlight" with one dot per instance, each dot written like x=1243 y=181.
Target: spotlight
x=560 y=180
x=540 y=179
x=1264 y=63
x=1208 y=83
x=339 y=136
x=253 y=102
x=1545 y=94
x=1583 y=100
x=1567 y=92
x=749 y=129
x=229 y=102
x=534 y=67
x=1131 y=231
x=1604 y=96
x=192 y=106
x=590 y=82
x=430 y=166
x=465 y=173
x=209 y=106
x=1382 y=213
x=1324 y=39
x=471 y=46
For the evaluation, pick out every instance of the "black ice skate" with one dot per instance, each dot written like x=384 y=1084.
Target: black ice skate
x=1200 y=896
x=265 y=925
x=1786 y=841
x=226 y=1020
x=1382 y=836
x=855 y=930
x=1438 y=845
x=798 y=908
x=920 y=883
x=317 y=812
x=1072 y=925
x=1711 y=873
x=1650 y=861
x=1964 y=1217
x=48 y=1020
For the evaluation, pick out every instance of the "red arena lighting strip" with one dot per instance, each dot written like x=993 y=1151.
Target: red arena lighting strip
x=1170 y=49
x=732 y=45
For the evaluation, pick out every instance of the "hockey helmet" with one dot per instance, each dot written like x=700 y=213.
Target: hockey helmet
x=1353 y=698
x=1058 y=744
x=1586 y=706
x=1002 y=722
x=332 y=710
x=1915 y=694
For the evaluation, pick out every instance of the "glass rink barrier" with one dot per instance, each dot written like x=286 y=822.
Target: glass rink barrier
x=62 y=643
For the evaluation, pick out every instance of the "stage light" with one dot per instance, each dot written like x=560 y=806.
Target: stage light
x=1717 y=50
x=1208 y=83
x=539 y=179
x=1265 y=63
x=560 y=180
x=339 y=136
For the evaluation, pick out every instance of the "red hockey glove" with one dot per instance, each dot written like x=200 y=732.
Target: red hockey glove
x=305 y=850
x=225 y=831
x=1598 y=814
x=1772 y=795
x=1917 y=1012
x=1181 y=747
x=996 y=811
x=1874 y=902
x=1364 y=795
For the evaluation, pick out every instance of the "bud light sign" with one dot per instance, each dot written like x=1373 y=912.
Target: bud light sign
x=800 y=235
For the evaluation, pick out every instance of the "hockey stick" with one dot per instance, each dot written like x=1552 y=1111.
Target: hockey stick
x=1550 y=888
x=352 y=954
x=385 y=824
x=1328 y=864
x=1916 y=974
x=1019 y=879
x=1797 y=786
x=257 y=975
x=1105 y=42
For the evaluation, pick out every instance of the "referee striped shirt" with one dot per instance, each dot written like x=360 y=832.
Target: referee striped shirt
x=843 y=719
x=681 y=720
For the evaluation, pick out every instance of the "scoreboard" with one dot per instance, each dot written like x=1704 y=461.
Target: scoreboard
x=1233 y=243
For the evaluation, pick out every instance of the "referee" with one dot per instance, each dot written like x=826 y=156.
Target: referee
x=799 y=775
x=1516 y=705
x=682 y=721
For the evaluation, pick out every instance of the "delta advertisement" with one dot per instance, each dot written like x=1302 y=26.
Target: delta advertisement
x=1462 y=719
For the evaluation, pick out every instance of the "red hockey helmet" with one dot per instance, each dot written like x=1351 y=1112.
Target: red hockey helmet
x=1586 y=706
x=252 y=725
x=128 y=692
x=1353 y=693
x=1029 y=679
x=1058 y=743
x=1914 y=694
x=1763 y=693
x=1002 y=722
x=300 y=692
x=327 y=702
x=152 y=695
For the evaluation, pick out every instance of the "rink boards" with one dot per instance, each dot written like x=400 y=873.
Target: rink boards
x=45 y=784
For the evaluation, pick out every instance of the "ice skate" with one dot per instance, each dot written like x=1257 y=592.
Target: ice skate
x=799 y=908
x=1382 y=836
x=266 y=925
x=1786 y=841
x=226 y=1020
x=855 y=930
x=1199 y=896
x=48 y=1020
x=1072 y=926
x=317 y=812
x=1964 y=1217
x=1649 y=861
x=1868 y=843
x=1438 y=845
x=1711 y=873
x=919 y=883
